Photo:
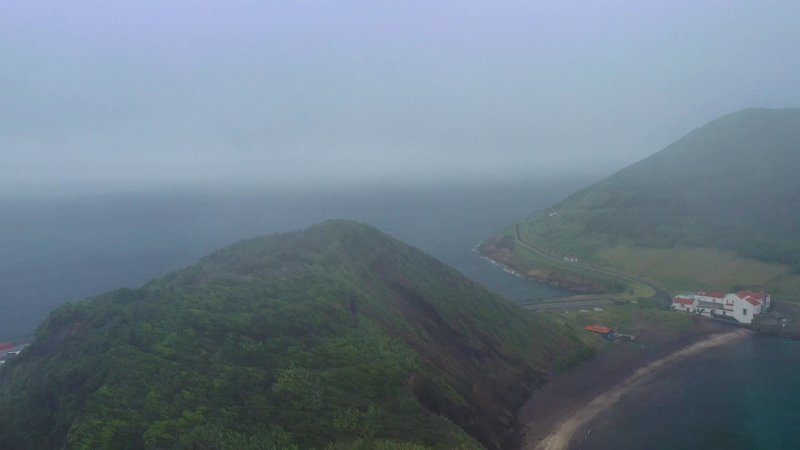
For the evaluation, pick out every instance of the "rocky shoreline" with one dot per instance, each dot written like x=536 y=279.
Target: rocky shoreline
x=503 y=258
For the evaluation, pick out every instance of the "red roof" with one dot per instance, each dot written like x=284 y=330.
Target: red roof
x=597 y=329
x=751 y=294
x=714 y=294
x=753 y=301
x=6 y=345
x=683 y=300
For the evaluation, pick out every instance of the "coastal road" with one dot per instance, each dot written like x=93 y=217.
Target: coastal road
x=660 y=290
x=566 y=303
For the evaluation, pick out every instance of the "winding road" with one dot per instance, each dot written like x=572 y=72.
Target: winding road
x=659 y=289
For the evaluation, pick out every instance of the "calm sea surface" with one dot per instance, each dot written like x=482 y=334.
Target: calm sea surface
x=742 y=396
x=65 y=248
x=62 y=248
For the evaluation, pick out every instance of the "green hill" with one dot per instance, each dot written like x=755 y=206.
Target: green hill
x=334 y=337
x=717 y=208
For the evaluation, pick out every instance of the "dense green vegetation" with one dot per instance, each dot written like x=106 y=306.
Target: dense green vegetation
x=334 y=337
x=730 y=185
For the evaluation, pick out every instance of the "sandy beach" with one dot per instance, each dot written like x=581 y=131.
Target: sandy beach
x=562 y=411
x=566 y=429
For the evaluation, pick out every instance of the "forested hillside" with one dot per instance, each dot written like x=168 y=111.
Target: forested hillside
x=336 y=337
x=731 y=185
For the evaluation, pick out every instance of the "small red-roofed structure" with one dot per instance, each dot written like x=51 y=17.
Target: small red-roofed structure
x=599 y=329
x=683 y=300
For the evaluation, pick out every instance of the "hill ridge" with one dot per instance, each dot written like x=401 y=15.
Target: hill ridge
x=336 y=336
x=729 y=187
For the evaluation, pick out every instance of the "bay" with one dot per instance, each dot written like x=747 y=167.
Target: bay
x=740 y=396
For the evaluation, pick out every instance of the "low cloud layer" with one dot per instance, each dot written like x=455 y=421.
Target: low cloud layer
x=348 y=92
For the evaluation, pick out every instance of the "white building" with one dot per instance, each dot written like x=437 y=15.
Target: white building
x=742 y=306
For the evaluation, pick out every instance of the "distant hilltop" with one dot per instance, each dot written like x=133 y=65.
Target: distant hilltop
x=720 y=207
x=334 y=337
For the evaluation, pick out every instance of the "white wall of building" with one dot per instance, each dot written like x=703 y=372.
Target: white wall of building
x=731 y=305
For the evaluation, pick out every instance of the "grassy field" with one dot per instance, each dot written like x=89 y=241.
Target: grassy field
x=692 y=268
x=679 y=269
x=642 y=291
x=531 y=263
x=566 y=236
x=679 y=218
x=682 y=269
x=626 y=318
x=524 y=257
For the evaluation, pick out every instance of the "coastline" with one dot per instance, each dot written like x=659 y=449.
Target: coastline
x=559 y=413
x=502 y=258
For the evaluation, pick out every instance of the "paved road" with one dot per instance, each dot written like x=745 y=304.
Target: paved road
x=568 y=304
x=542 y=252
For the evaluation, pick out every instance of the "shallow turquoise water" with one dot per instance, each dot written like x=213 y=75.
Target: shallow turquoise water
x=741 y=396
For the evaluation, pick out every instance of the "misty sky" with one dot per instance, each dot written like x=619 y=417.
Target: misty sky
x=316 y=92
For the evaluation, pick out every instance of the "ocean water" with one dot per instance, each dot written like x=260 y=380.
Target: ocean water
x=741 y=396
x=58 y=248
x=64 y=248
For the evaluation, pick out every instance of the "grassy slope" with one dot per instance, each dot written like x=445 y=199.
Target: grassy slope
x=688 y=268
x=717 y=209
x=629 y=318
x=334 y=337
